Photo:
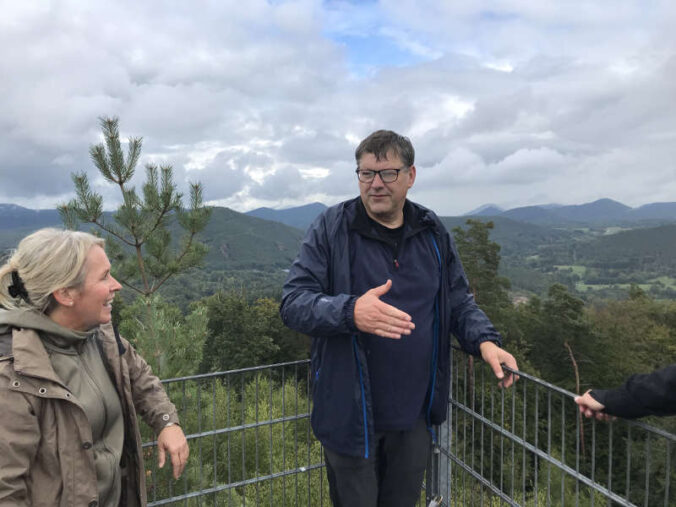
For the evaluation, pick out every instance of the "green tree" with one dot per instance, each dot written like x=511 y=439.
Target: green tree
x=238 y=337
x=481 y=260
x=170 y=342
x=244 y=333
x=639 y=333
x=291 y=345
x=139 y=238
x=563 y=337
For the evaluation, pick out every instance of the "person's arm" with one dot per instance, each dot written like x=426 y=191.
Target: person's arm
x=19 y=440
x=153 y=405
x=469 y=323
x=641 y=395
x=307 y=306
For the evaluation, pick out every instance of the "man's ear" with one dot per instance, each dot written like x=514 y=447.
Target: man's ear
x=64 y=296
x=411 y=173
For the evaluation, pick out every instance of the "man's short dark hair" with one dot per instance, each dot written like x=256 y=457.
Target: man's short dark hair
x=381 y=142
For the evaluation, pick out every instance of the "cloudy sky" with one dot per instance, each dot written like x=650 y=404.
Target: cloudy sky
x=508 y=102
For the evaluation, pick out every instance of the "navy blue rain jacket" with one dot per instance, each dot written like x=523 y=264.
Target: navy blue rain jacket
x=317 y=300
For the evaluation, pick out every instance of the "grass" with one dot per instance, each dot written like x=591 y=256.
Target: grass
x=576 y=269
x=614 y=230
x=667 y=281
x=583 y=287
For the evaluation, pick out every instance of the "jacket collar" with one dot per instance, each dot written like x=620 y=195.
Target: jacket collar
x=416 y=219
x=57 y=335
x=30 y=357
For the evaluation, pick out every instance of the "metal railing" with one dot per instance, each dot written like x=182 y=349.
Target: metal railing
x=251 y=443
x=250 y=440
x=528 y=445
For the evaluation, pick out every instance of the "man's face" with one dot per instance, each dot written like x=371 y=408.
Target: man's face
x=384 y=202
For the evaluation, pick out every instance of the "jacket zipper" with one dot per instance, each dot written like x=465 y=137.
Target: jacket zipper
x=435 y=343
x=396 y=248
x=363 y=398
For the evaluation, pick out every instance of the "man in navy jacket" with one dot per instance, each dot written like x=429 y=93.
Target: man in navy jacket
x=379 y=286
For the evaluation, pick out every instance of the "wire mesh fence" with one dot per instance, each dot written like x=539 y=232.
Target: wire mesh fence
x=528 y=445
x=250 y=440
x=251 y=444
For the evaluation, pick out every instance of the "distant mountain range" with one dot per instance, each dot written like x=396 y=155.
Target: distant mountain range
x=266 y=236
x=235 y=240
x=486 y=210
x=265 y=241
x=603 y=211
x=12 y=216
x=300 y=217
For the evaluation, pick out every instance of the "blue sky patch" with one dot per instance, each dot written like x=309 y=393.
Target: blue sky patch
x=375 y=51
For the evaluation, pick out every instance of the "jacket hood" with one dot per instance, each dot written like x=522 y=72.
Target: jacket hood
x=29 y=319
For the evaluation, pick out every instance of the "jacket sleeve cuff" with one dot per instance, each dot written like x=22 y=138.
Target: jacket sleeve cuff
x=161 y=422
x=599 y=395
x=348 y=318
x=619 y=403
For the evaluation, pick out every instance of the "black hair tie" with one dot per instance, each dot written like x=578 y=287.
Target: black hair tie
x=18 y=289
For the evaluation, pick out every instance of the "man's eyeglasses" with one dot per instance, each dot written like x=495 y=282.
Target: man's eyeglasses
x=386 y=175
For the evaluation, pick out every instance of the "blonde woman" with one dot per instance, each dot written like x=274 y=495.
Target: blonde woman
x=70 y=386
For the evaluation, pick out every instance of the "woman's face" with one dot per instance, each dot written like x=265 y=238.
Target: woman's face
x=92 y=303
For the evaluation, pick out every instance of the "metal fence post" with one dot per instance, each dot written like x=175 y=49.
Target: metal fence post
x=433 y=470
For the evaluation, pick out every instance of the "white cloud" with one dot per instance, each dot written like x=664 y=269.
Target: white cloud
x=512 y=102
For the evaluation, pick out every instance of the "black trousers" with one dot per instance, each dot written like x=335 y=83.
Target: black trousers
x=392 y=477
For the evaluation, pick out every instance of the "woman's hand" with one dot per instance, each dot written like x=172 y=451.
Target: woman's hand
x=172 y=440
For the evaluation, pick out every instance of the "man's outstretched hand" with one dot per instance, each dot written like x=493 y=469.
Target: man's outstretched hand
x=495 y=357
x=373 y=316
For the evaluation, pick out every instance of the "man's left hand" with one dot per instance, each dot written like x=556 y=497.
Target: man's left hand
x=495 y=357
x=172 y=440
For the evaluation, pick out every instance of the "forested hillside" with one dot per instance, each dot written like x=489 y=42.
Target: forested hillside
x=238 y=241
x=593 y=260
x=597 y=264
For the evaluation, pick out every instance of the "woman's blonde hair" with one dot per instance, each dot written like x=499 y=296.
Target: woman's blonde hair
x=47 y=260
